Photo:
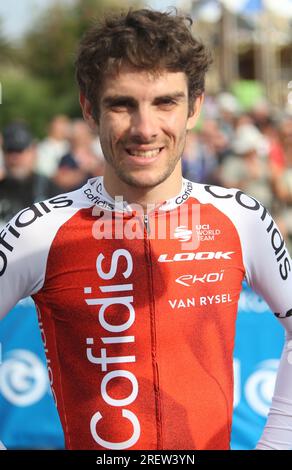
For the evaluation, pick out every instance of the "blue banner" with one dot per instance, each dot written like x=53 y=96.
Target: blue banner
x=28 y=414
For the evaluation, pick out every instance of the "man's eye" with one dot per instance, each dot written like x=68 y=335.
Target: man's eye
x=119 y=106
x=167 y=103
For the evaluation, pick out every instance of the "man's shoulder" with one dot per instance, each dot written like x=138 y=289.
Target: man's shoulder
x=245 y=211
x=57 y=206
x=25 y=241
x=207 y=193
x=37 y=224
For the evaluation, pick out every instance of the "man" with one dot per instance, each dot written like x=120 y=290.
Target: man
x=138 y=325
x=21 y=185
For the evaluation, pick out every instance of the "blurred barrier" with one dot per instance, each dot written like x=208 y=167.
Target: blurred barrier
x=28 y=415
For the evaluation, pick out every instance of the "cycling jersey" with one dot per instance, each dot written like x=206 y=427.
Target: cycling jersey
x=139 y=327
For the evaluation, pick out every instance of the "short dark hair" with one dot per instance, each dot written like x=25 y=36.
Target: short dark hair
x=145 y=39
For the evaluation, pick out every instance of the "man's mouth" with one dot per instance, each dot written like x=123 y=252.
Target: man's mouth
x=147 y=153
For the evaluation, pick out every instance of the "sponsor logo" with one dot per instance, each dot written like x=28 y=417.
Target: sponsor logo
x=184 y=197
x=206 y=233
x=117 y=336
x=276 y=239
x=99 y=188
x=284 y=315
x=200 y=301
x=12 y=231
x=182 y=233
x=98 y=200
x=23 y=378
x=190 y=279
x=201 y=255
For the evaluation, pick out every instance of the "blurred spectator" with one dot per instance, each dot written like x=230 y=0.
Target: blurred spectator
x=282 y=177
x=261 y=114
x=54 y=146
x=203 y=153
x=248 y=168
x=20 y=186
x=83 y=161
x=229 y=110
x=197 y=162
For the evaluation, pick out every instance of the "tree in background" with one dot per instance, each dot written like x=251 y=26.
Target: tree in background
x=5 y=47
x=38 y=76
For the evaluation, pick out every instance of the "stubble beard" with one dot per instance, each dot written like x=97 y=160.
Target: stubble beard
x=140 y=182
x=143 y=182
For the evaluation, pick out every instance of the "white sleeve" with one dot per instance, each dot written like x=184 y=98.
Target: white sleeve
x=268 y=270
x=21 y=261
x=24 y=248
x=277 y=433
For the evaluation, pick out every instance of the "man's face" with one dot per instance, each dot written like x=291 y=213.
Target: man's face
x=20 y=165
x=143 y=123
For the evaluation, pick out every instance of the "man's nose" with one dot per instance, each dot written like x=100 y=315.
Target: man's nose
x=144 y=124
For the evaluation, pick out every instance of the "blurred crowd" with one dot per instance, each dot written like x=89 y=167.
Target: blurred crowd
x=32 y=170
x=230 y=147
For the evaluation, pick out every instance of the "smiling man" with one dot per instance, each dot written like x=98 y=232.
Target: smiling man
x=138 y=330
x=144 y=118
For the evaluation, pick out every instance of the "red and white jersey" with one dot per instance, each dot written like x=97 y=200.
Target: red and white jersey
x=137 y=314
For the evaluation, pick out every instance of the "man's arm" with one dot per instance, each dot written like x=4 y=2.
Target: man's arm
x=20 y=261
x=277 y=433
x=25 y=244
x=270 y=275
x=268 y=270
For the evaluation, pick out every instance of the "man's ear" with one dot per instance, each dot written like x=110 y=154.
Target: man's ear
x=195 y=112
x=87 y=112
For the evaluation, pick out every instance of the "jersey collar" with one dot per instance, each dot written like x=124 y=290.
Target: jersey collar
x=101 y=198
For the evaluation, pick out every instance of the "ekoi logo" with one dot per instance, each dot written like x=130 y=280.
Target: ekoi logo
x=190 y=279
x=113 y=340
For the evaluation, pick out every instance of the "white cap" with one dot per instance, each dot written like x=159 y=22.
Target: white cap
x=228 y=102
x=248 y=138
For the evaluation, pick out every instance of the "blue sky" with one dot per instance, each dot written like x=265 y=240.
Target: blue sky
x=17 y=15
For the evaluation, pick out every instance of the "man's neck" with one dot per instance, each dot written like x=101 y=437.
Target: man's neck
x=145 y=197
